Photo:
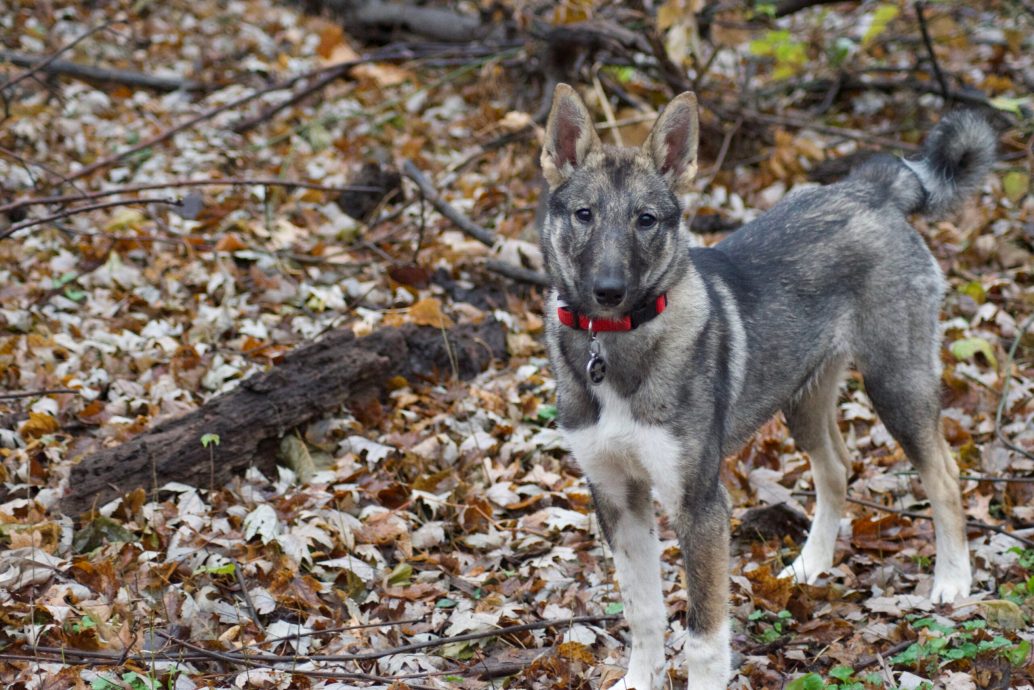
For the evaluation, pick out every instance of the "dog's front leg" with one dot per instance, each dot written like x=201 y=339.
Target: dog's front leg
x=701 y=521
x=625 y=510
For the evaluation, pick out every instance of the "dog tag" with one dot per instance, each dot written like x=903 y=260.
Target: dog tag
x=596 y=369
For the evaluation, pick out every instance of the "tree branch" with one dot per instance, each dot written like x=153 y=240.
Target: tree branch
x=92 y=73
x=42 y=64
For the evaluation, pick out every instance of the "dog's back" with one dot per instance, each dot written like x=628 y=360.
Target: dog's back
x=827 y=268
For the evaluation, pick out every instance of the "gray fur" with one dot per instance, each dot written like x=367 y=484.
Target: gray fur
x=762 y=322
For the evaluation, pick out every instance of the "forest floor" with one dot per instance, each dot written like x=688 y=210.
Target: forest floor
x=449 y=509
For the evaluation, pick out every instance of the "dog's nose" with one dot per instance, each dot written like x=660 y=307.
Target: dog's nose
x=609 y=291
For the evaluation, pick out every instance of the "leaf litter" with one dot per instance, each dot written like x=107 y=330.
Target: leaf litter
x=451 y=509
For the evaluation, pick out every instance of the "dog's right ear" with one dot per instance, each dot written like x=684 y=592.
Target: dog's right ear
x=570 y=136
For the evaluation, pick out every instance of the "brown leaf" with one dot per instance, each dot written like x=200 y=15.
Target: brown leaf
x=38 y=424
x=771 y=592
x=428 y=312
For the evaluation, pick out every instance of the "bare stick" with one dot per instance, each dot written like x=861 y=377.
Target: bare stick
x=104 y=75
x=32 y=394
x=518 y=273
x=267 y=114
x=229 y=182
x=919 y=6
x=482 y=235
x=46 y=61
x=84 y=209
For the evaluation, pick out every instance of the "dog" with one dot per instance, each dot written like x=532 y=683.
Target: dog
x=668 y=356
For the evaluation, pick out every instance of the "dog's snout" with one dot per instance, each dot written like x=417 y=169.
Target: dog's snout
x=609 y=290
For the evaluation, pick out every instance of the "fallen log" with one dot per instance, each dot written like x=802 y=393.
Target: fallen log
x=249 y=420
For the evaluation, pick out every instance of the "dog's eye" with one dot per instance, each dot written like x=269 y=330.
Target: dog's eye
x=647 y=220
x=583 y=214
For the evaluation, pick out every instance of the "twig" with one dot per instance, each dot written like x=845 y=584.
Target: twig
x=518 y=273
x=804 y=123
x=1005 y=390
x=84 y=209
x=42 y=64
x=247 y=597
x=974 y=524
x=32 y=394
x=482 y=235
x=229 y=182
x=250 y=123
x=26 y=162
x=919 y=6
x=212 y=112
x=979 y=478
x=107 y=75
x=608 y=112
x=267 y=114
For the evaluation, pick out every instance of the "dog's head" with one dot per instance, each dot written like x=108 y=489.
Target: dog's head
x=612 y=234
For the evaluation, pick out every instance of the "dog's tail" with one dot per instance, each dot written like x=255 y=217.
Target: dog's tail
x=956 y=157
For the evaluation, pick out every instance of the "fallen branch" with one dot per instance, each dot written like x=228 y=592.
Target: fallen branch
x=972 y=524
x=472 y=229
x=42 y=64
x=85 y=209
x=32 y=394
x=518 y=273
x=229 y=182
x=249 y=420
x=101 y=75
x=427 y=190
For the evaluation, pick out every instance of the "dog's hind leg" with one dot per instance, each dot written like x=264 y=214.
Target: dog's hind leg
x=625 y=509
x=812 y=421
x=906 y=399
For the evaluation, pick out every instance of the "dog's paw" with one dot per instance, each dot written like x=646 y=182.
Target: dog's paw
x=634 y=682
x=805 y=570
x=642 y=675
x=950 y=585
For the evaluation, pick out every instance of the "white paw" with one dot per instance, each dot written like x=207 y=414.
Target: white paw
x=806 y=570
x=634 y=682
x=641 y=675
x=950 y=584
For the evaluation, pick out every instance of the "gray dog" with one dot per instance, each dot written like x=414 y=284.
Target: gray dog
x=668 y=357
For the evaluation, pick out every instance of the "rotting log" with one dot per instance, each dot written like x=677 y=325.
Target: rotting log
x=313 y=380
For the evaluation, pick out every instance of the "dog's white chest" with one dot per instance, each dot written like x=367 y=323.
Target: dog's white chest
x=618 y=448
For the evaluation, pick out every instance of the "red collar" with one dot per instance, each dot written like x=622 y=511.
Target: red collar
x=629 y=322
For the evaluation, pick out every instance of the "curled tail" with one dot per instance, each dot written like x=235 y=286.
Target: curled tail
x=956 y=157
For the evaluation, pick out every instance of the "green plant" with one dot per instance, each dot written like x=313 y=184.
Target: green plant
x=789 y=54
x=770 y=627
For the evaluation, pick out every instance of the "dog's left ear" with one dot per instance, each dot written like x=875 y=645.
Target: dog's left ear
x=673 y=142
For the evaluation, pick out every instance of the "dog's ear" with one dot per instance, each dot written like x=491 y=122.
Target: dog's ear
x=673 y=142
x=570 y=136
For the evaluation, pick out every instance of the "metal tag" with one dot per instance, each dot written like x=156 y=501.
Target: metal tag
x=596 y=369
